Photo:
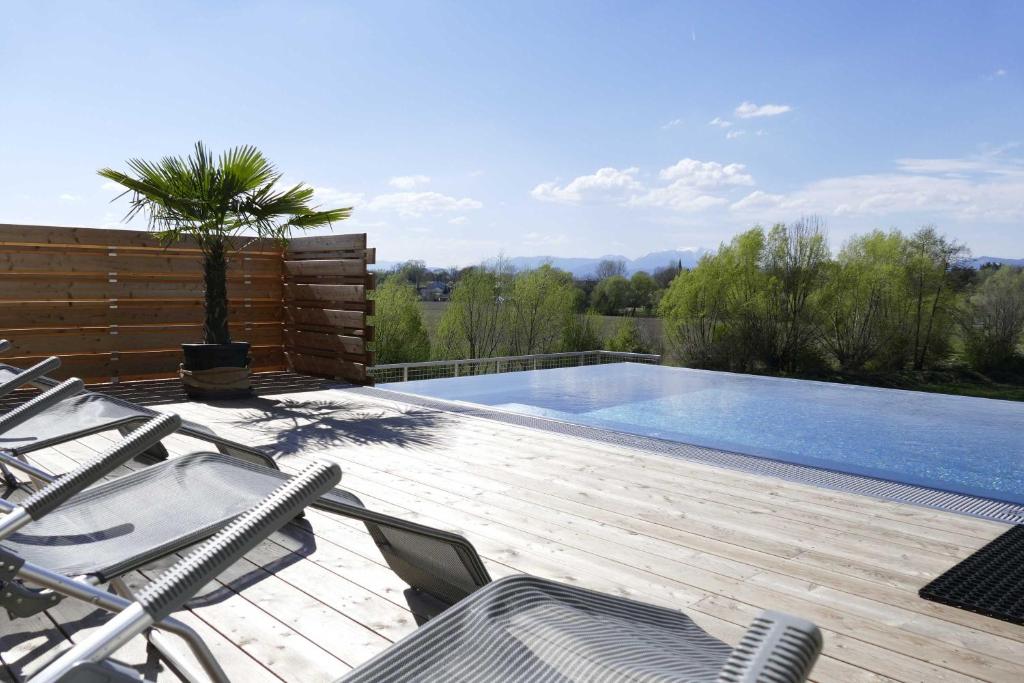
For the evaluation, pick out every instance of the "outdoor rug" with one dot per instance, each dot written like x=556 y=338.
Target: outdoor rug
x=989 y=582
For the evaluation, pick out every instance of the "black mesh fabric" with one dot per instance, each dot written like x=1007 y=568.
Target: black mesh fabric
x=85 y=413
x=430 y=563
x=122 y=524
x=524 y=628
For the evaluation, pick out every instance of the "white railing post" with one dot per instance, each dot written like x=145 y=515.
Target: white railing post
x=405 y=374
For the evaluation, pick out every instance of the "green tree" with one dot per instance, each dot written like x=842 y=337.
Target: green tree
x=582 y=332
x=538 y=310
x=930 y=258
x=992 y=318
x=473 y=324
x=864 y=305
x=794 y=259
x=641 y=291
x=212 y=200
x=400 y=336
x=628 y=337
x=610 y=295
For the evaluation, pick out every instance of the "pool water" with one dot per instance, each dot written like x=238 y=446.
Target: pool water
x=953 y=443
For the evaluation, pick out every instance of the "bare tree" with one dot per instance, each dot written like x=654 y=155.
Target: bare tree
x=610 y=267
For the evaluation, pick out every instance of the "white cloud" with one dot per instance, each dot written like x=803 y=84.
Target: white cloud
x=408 y=182
x=998 y=73
x=111 y=186
x=459 y=220
x=672 y=124
x=68 y=197
x=721 y=123
x=544 y=240
x=334 y=198
x=706 y=173
x=416 y=204
x=604 y=184
x=749 y=110
x=680 y=197
x=733 y=134
x=950 y=189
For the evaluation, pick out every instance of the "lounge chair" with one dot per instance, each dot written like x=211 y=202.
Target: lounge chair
x=123 y=524
x=91 y=413
x=519 y=628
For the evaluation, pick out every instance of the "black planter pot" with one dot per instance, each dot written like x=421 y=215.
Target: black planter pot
x=199 y=357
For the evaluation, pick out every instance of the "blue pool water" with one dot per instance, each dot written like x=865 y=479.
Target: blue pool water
x=953 y=443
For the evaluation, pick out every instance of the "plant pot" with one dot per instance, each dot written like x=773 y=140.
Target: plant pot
x=216 y=371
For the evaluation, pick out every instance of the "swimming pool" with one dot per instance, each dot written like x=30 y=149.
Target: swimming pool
x=960 y=444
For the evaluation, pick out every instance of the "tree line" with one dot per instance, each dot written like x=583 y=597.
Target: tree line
x=770 y=300
x=776 y=300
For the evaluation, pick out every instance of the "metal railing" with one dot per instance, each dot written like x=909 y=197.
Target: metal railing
x=433 y=369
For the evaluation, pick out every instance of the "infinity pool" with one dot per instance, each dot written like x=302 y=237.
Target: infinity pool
x=954 y=443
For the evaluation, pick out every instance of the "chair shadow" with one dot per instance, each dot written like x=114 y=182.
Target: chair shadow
x=296 y=426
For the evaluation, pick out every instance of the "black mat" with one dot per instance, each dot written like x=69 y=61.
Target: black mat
x=989 y=582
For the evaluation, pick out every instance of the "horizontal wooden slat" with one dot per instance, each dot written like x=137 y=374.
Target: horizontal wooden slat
x=298 y=245
x=101 y=367
x=326 y=319
x=135 y=264
x=129 y=338
x=134 y=239
x=325 y=293
x=42 y=288
x=318 y=343
x=48 y=314
x=327 y=367
x=338 y=267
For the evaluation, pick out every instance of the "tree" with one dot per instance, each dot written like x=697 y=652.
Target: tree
x=794 y=259
x=399 y=333
x=611 y=295
x=582 y=333
x=628 y=337
x=472 y=324
x=212 y=200
x=664 y=276
x=863 y=303
x=610 y=267
x=992 y=318
x=641 y=291
x=538 y=309
x=930 y=256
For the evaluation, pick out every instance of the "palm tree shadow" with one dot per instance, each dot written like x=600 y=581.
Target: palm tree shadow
x=298 y=425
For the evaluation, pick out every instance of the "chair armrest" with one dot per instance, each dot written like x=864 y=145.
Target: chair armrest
x=776 y=647
x=88 y=473
x=179 y=583
x=65 y=389
x=4 y=345
x=30 y=375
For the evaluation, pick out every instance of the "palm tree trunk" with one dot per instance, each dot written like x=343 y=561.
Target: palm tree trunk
x=215 y=273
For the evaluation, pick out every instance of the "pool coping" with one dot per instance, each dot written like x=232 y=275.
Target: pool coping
x=938 y=499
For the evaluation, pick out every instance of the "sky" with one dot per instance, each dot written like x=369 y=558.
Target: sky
x=461 y=130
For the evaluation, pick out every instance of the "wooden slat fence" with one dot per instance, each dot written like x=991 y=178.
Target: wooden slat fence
x=326 y=306
x=116 y=305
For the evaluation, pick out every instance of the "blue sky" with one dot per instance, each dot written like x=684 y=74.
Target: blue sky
x=461 y=130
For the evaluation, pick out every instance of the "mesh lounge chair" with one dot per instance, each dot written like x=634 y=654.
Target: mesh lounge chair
x=519 y=628
x=91 y=413
x=123 y=524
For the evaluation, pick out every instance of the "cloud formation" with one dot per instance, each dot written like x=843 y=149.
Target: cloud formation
x=719 y=122
x=749 y=110
x=417 y=204
x=604 y=184
x=408 y=182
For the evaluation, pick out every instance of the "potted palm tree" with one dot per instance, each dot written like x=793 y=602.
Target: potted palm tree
x=213 y=202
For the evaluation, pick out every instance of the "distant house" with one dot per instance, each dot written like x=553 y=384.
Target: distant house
x=435 y=291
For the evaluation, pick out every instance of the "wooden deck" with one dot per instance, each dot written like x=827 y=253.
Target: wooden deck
x=721 y=545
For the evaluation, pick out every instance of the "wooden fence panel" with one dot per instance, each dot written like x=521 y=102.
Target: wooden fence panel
x=326 y=306
x=116 y=304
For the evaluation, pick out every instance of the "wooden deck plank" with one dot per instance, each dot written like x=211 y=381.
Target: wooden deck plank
x=716 y=543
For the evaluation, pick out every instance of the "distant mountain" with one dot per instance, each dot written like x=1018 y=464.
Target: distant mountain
x=583 y=267
x=982 y=260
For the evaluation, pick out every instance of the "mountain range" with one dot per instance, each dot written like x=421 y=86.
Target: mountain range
x=582 y=267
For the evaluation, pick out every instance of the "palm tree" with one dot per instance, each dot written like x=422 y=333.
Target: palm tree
x=212 y=201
